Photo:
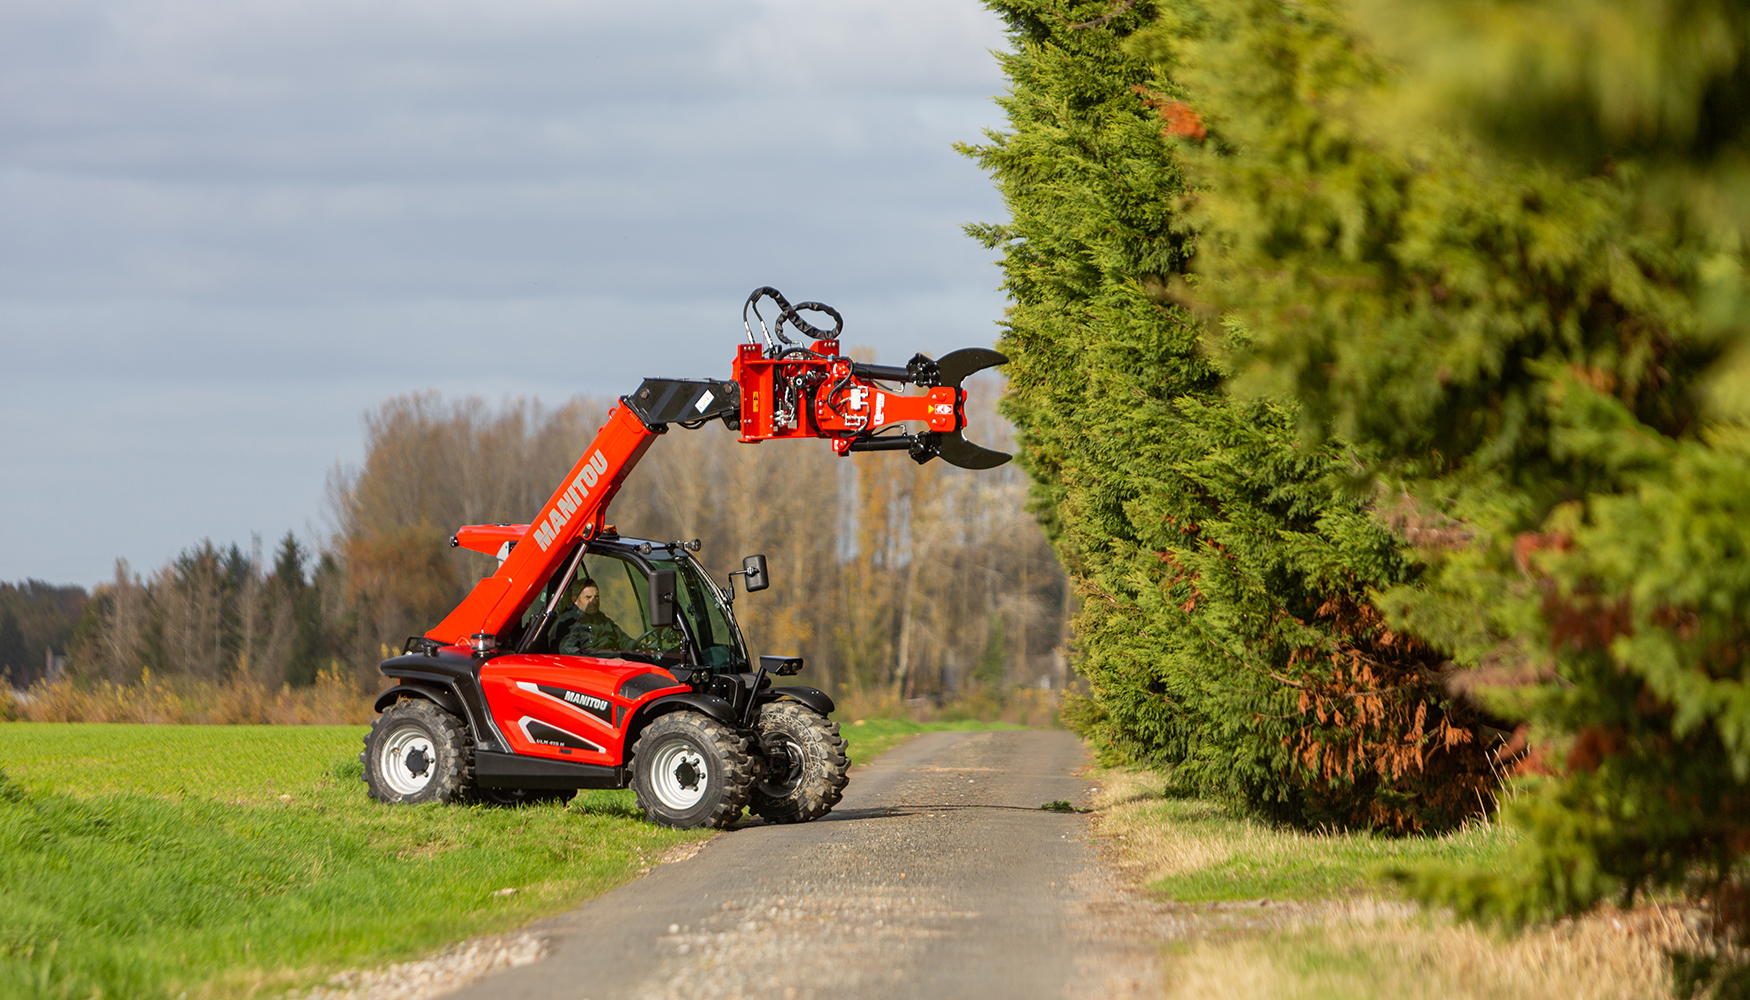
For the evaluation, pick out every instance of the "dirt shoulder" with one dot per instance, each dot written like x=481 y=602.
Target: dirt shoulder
x=1332 y=930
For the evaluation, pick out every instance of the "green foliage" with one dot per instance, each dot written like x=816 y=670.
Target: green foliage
x=12 y=649
x=1223 y=570
x=1589 y=85
x=995 y=657
x=297 y=608
x=1504 y=262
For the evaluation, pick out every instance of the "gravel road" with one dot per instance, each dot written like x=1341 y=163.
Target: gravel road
x=937 y=876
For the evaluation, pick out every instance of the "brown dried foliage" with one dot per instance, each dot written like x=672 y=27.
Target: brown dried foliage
x=1180 y=118
x=1376 y=715
x=1424 y=529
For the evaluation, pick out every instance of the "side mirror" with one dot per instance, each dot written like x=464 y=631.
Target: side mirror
x=662 y=598
x=754 y=569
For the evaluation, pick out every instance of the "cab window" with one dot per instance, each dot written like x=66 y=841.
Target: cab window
x=604 y=612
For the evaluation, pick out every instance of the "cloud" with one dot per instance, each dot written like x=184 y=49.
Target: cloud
x=232 y=228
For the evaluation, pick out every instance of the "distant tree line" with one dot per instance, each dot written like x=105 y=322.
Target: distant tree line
x=893 y=578
x=217 y=614
x=37 y=622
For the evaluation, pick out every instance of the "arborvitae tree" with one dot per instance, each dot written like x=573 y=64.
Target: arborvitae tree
x=1225 y=627
x=1519 y=307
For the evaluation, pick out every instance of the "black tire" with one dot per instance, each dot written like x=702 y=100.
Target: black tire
x=417 y=752
x=806 y=767
x=510 y=798
x=690 y=770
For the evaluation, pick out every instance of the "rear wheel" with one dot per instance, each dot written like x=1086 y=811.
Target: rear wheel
x=690 y=770
x=417 y=752
x=806 y=767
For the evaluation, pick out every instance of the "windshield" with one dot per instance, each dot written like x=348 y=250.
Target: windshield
x=605 y=612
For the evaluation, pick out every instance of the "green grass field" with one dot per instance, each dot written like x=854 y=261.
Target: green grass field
x=217 y=861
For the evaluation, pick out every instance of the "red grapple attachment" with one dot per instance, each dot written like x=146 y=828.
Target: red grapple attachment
x=816 y=392
x=780 y=389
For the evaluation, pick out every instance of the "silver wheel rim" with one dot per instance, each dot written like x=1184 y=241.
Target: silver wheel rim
x=408 y=761
x=678 y=776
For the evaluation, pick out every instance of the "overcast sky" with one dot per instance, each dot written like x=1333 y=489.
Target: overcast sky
x=228 y=229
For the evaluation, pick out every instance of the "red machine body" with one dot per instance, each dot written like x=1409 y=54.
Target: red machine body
x=543 y=711
x=558 y=707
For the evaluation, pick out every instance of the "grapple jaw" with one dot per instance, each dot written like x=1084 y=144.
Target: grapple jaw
x=955 y=366
x=951 y=446
x=954 y=449
x=789 y=391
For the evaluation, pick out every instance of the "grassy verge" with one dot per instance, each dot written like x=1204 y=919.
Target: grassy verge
x=1334 y=928
x=219 y=861
x=1196 y=851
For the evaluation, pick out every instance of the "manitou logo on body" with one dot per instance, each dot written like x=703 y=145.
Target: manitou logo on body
x=585 y=700
x=601 y=708
x=571 y=499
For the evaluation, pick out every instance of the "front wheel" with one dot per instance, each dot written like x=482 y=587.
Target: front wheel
x=416 y=752
x=806 y=767
x=690 y=770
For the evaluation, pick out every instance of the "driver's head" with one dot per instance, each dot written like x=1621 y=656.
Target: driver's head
x=588 y=596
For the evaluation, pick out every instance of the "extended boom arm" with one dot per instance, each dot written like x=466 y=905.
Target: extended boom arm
x=777 y=391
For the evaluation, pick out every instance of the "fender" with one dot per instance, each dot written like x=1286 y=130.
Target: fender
x=812 y=697
x=706 y=704
x=460 y=676
x=442 y=696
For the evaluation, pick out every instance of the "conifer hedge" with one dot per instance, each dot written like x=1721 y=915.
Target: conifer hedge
x=1224 y=568
x=1501 y=248
x=1485 y=259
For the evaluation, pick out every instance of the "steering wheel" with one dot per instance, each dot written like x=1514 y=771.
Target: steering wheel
x=658 y=640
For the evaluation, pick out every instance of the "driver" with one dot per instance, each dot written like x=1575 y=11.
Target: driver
x=584 y=625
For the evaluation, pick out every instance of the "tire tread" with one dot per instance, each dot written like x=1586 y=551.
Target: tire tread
x=822 y=785
x=446 y=731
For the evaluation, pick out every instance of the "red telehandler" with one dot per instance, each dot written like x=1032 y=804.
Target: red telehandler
x=592 y=660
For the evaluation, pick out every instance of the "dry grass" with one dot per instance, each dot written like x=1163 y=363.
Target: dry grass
x=333 y=700
x=1392 y=954
x=1127 y=807
x=1346 y=936
x=1193 y=850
